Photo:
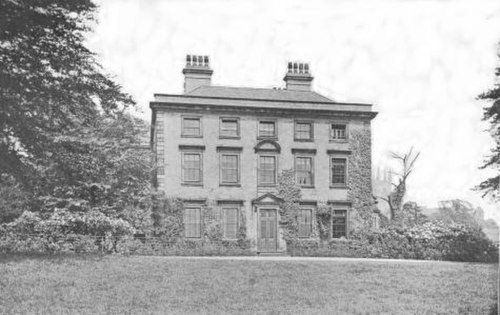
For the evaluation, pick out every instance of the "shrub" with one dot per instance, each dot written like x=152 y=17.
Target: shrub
x=430 y=241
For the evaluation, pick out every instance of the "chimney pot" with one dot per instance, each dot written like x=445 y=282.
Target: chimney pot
x=197 y=72
x=298 y=77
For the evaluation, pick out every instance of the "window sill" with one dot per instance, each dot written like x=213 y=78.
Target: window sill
x=275 y=138
x=339 y=140
x=266 y=185
x=307 y=187
x=192 y=184
x=230 y=137
x=229 y=185
x=303 y=140
x=191 y=136
x=339 y=187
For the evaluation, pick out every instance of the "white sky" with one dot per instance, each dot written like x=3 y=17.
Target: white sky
x=422 y=63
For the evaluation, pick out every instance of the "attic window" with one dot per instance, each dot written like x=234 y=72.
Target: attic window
x=267 y=129
x=338 y=131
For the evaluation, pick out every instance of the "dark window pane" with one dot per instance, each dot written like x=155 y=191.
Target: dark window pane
x=338 y=171
x=339 y=223
x=339 y=132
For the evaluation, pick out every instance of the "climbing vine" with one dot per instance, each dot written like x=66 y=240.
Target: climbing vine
x=290 y=192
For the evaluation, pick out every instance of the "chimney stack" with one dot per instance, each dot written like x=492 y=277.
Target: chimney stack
x=197 y=72
x=298 y=77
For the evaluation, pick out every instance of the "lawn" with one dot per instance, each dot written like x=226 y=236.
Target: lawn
x=137 y=285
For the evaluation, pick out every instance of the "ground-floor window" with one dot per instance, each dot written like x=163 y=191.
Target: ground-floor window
x=192 y=222
x=305 y=223
x=230 y=216
x=339 y=223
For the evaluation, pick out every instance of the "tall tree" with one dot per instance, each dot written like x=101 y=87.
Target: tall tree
x=491 y=186
x=50 y=82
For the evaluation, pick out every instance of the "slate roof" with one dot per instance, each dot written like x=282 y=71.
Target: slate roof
x=258 y=94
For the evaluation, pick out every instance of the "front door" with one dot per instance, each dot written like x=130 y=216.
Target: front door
x=267 y=234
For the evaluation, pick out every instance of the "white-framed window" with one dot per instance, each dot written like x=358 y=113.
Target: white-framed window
x=192 y=222
x=267 y=172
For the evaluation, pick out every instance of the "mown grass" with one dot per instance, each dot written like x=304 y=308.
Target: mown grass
x=138 y=285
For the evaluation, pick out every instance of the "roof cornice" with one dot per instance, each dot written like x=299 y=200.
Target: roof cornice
x=256 y=110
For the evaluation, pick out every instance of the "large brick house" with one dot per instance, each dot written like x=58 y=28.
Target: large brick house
x=225 y=147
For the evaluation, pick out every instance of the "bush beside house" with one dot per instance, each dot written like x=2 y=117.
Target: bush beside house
x=430 y=241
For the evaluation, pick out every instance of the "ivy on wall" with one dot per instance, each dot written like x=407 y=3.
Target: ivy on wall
x=290 y=192
x=323 y=219
x=168 y=223
x=360 y=185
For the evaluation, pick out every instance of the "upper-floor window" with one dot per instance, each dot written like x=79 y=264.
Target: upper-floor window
x=338 y=131
x=303 y=131
x=338 y=171
x=192 y=222
x=267 y=170
x=192 y=171
x=339 y=223
x=267 y=129
x=191 y=127
x=229 y=168
x=305 y=223
x=304 y=170
x=229 y=128
x=230 y=226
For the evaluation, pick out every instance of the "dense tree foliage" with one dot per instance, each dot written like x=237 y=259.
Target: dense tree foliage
x=50 y=82
x=67 y=147
x=491 y=186
x=104 y=167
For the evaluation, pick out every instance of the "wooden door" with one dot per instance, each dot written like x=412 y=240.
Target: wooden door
x=267 y=233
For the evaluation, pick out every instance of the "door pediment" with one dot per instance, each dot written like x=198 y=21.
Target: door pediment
x=267 y=199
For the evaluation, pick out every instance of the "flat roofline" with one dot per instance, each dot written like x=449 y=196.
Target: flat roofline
x=256 y=99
